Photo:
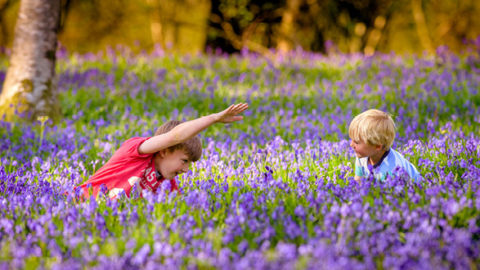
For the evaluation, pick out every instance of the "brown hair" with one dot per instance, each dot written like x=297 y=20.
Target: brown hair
x=192 y=146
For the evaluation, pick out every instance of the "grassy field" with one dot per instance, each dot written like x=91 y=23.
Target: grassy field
x=274 y=191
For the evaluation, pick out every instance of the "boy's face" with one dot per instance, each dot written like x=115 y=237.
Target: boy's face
x=363 y=149
x=171 y=164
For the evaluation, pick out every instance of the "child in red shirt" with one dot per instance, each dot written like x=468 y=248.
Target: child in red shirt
x=151 y=160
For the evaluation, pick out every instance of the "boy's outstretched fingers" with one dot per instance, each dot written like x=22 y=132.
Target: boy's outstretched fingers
x=231 y=113
x=238 y=108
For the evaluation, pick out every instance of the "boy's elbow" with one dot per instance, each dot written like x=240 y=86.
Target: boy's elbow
x=158 y=143
x=174 y=137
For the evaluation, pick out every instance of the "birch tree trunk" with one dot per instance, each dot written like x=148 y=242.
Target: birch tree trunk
x=30 y=84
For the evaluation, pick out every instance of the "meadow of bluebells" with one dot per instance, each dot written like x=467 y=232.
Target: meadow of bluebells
x=274 y=191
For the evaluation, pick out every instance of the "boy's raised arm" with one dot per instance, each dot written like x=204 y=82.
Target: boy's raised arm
x=188 y=129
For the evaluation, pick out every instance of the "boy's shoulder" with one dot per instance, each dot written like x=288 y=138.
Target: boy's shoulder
x=395 y=155
x=134 y=141
x=396 y=159
x=130 y=147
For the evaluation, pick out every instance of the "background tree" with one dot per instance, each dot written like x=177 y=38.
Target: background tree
x=29 y=86
x=286 y=40
x=421 y=26
x=238 y=24
x=4 y=4
x=179 y=25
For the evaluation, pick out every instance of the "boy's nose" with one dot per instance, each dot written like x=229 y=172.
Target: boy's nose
x=351 y=143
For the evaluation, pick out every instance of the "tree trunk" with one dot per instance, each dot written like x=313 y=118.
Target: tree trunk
x=30 y=85
x=156 y=23
x=286 y=39
x=3 y=31
x=421 y=24
x=179 y=25
x=375 y=35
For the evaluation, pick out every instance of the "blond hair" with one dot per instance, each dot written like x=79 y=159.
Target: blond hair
x=373 y=127
x=192 y=146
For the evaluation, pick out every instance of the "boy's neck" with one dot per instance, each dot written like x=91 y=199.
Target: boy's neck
x=376 y=158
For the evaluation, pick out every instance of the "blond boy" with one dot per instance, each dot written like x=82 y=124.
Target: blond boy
x=372 y=133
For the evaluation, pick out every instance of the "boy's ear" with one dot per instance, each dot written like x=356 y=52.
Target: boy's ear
x=379 y=147
x=161 y=153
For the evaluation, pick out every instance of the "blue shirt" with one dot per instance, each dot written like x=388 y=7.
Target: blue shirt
x=387 y=165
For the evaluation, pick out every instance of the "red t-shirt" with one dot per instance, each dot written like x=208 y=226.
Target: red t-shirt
x=124 y=169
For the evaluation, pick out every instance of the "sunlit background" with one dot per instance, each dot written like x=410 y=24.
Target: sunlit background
x=191 y=26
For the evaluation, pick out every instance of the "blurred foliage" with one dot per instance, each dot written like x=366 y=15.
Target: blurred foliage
x=189 y=26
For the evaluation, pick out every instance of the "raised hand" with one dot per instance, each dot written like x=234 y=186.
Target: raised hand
x=230 y=114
